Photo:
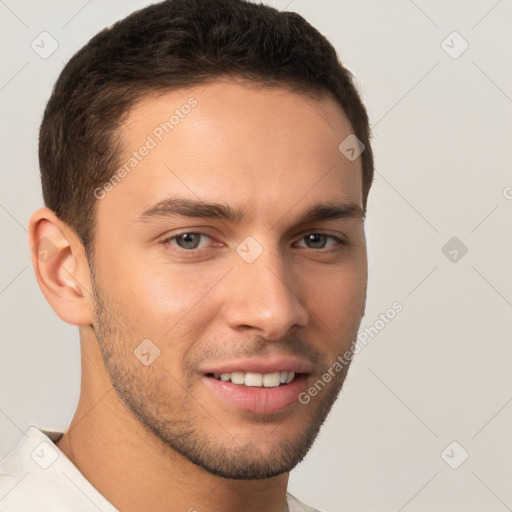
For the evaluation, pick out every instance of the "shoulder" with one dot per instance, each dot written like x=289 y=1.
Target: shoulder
x=294 y=505
x=37 y=477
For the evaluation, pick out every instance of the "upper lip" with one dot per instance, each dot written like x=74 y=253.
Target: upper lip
x=261 y=365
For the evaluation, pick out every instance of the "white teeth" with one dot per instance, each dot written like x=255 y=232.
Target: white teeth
x=253 y=379
x=237 y=378
x=271 y=380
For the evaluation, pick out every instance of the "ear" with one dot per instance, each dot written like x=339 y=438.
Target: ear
x=61 y=267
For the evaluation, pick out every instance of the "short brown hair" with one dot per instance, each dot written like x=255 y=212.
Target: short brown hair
x=166 y=46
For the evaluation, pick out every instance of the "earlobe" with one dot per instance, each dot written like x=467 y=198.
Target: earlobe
x=61 y=267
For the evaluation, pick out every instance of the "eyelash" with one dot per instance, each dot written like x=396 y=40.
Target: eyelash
x=168 y=243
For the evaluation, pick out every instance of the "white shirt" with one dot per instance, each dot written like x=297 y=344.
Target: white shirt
x=37 y=476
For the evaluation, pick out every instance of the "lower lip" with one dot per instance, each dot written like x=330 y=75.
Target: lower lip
x=259 y=400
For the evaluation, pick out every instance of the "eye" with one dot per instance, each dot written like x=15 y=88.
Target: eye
x=319 y=240
x=190 y=242
x=187 y=241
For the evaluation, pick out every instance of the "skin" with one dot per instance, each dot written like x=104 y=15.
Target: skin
x=273 y=154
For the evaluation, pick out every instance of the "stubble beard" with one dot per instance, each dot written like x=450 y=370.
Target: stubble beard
x=175 y=423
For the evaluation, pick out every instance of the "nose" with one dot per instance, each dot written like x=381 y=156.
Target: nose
x=263 y=296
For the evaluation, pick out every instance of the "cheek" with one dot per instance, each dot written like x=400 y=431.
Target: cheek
x=339 y=302
x=336 y=300
x=167 y=297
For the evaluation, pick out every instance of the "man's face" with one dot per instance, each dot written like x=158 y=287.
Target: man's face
x=223 y=298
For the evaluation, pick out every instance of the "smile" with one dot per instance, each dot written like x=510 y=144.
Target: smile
x=257 y=393
x=254 y=379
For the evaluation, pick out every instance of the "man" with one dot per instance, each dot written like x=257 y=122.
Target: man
x=205 y=168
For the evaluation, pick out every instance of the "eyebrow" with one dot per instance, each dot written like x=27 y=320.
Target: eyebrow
x=184 y=207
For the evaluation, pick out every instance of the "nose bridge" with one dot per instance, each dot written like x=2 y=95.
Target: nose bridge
x=261 y=294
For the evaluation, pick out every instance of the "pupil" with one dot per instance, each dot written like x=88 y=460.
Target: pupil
x=316 y=240
x=187 y=240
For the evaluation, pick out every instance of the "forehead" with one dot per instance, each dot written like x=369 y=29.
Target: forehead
x=230 y=142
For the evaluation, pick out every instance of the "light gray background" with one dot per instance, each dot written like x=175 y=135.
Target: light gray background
x=440 y=370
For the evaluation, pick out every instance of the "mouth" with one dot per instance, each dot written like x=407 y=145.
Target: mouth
x=257 y=380
x=256 y=393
